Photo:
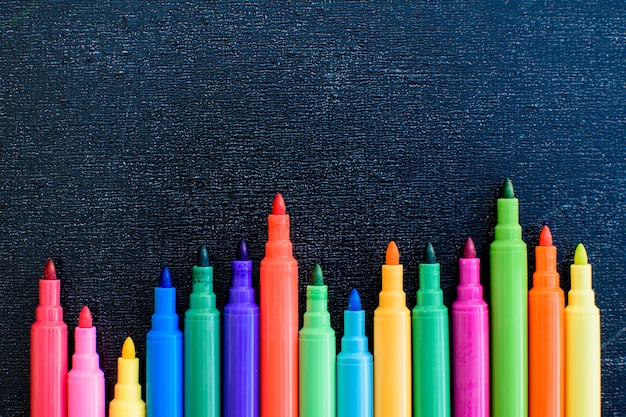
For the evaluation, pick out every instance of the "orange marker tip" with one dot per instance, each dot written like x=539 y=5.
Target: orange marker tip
x=545 y=238
x=84 y=319
x=49 y=272
x=279 y=205
x=128 y=350
x=393 y=255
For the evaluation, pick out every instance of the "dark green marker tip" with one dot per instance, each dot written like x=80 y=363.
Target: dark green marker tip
x=429 y=254
x=318 y=276
x=507 y=189
x=203 y=256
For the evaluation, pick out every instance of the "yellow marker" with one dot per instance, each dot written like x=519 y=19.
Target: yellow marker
x=127 y=400
x=392 y=343
x=582 y=343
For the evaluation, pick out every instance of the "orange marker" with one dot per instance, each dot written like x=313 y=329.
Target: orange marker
x=279 y=319
x=392 y=343
x=546 y=334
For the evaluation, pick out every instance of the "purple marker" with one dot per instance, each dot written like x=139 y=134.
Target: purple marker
x=241 y=342
x=470 y=340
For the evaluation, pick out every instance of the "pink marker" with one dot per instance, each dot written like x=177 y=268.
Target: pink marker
x=470 y=340
x=85 y=382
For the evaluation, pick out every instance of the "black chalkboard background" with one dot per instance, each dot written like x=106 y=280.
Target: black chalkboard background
x=132 y=132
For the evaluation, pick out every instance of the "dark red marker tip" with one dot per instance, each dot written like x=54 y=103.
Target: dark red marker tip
x=85 y=319
x=279 y=205
x=545 y=238
x=469 y=250
x=49 y=272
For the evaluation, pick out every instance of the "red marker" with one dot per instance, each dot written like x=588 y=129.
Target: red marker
x=85 y=382
x=48 y=351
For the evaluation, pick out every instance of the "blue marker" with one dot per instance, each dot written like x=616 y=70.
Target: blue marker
x=355 y=391
x=164 y=354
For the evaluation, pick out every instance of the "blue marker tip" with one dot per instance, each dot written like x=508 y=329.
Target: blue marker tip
x=165 y=281
x=242 y=251
x=354 y=302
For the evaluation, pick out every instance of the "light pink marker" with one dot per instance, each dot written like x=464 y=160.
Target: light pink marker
x=85 y=382
x=470 y=340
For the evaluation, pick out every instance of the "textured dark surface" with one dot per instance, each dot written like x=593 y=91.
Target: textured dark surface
x=132 y=132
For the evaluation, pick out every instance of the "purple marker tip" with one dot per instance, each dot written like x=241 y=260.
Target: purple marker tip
x=242 y=251
x=354 y=302
x=165 y=281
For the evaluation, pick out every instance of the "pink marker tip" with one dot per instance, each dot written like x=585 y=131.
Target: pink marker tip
x=279 y=205
x=469 y=250
x=49 y=272
x=85 y=319
x=545 y=238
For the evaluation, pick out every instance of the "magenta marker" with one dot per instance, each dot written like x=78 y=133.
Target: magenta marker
x=85 y=382
x=470 y=340
x=241 y=342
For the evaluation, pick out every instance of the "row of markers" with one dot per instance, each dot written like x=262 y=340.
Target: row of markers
x=539 y=357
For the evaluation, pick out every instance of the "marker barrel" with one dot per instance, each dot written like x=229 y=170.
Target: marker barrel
x=470 y=344
x=48 y=354
x=582 y=352
x=127 y=400
x=317 y=356
x=355 y=373
x=509 y=315
x=392 y=348
x=241 y=346
x=202 y=347
x=164 y=358
x=279 y=322
x=431 y=358
x=85 y=382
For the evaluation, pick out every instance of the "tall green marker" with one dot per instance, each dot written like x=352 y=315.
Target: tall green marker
x=202 y=344
x=317 y=353
x=431 y=351
x=509 y=311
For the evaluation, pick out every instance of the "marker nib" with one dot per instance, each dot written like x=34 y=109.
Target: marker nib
x=165 y=280
x=354 y=302
x=580 y=256
x=507 y=189
x=429 y=254
x=469 y=250
x=317 y=276
x=393 y=255
x=242 y=251
x=84 y=319
x=279 y=205
x=545 y=238
x=203 y=256
x=128 y=350
x=49 y=271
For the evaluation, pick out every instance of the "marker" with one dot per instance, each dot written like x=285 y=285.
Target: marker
x=509 y=308
x=470 y=340
x=85 y=382
x=355 y=367
x=127 y=400
x=582 y=343
x=164 y=354
x=279 y=319
x=202 y=343
x=48 y=350
x=392 y=343
x=241 y=341
x=431 y=351
x=546 y=334
x=317 y=353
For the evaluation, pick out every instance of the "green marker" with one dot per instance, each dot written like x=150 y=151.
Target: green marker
x=509 y=312
x=317 y=353
x=202 y=344
x=431 y=351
